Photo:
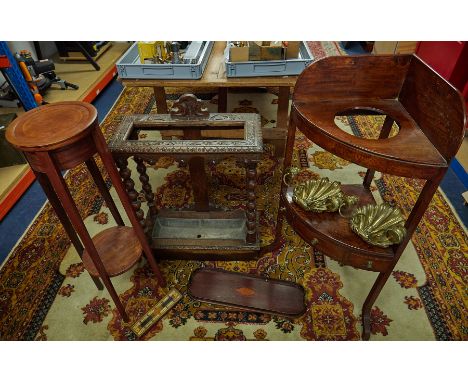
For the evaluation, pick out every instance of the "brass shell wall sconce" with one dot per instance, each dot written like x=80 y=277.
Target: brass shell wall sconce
x=318 y=195
x=381 y=225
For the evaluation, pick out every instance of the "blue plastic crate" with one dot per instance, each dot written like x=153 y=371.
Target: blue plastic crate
x=291 y=67
x=129 y=66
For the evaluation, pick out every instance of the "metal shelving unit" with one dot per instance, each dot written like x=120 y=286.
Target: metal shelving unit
x=15 y=78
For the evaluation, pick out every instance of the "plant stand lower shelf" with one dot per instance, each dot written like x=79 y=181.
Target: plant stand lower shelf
x=119 y=250
x=249 y=292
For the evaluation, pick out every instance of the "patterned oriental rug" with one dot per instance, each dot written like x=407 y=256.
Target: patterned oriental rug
x=45 y=293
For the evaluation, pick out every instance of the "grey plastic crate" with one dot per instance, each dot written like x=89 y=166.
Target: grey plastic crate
x=290 y=67
x=129 y=66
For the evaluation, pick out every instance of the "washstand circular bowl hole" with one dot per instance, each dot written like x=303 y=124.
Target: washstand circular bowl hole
x=354 y=122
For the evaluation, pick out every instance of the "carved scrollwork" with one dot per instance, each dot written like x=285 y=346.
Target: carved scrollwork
x=189 y=107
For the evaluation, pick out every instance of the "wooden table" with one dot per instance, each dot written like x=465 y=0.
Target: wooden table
x=215 y=76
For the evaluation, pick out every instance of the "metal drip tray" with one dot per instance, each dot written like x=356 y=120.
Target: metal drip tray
x=202 y=232
x=199 y=228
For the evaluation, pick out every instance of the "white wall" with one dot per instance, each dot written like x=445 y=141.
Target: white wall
x=16 y=46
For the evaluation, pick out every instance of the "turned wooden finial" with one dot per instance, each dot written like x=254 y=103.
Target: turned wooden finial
x=189 y=106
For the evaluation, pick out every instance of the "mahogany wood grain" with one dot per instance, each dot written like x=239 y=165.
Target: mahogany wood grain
x=61 y=214
x=62 y=135
x=384 y=133
x=118 y=248
x=52 y=126
x=437 y=109
x=116 y=181
x=65 y=157
x=72 y=155
x=409 y=153
x=431 y=117
x=345 y=77
x=339 y=241
x=249 y=292
x=53 y=173
x=101 y=185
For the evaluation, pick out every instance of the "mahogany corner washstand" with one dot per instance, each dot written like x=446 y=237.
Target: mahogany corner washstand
x=430 y=114
x=192 y=136
x=60 y=136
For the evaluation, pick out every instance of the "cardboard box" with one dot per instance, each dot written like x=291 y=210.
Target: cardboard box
x=254 y=51
x=394 y=47
x=268 y=53
x=292 y=49
x=265 y=50
x=239 y=53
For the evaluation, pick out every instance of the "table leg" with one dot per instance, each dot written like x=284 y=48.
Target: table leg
x=111 y=168
x=281 y=208
x=425 y=197
x=283 y=107
x=160 y=96
x=199 y=183
x=69 y=205
x=222 y=100
x=57 y=206
x=371 y=297
x=384 y=133
x=97 y=176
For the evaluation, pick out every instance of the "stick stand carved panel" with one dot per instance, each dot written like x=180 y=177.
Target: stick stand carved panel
x=193 y=136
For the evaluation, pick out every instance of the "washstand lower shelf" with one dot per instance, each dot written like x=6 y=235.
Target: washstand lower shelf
x=249 y=292
x=331 y=233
